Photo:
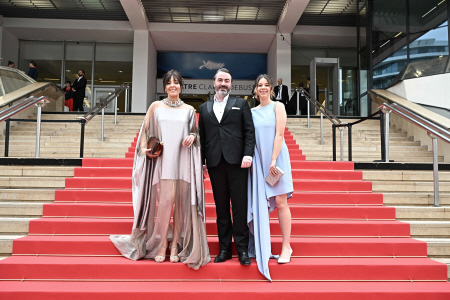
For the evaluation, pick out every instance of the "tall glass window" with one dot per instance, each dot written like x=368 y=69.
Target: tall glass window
x=428 y=36
x=79 y=56
x=113 y=67
x=428 y=27
x=47 y=55
x=389 y=40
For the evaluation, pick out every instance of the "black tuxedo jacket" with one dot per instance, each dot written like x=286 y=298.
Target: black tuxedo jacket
x=80 y=87
x=234 y=136
x=284 y=93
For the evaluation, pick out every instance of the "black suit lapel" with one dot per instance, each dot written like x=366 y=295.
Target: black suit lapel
x=230 y=103
x=209 y=107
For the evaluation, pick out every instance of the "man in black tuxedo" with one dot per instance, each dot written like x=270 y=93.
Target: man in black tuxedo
x=281 y=92
x=79 y=87
x=227 y=138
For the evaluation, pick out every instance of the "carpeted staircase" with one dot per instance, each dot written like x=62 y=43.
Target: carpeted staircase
x=346 y=244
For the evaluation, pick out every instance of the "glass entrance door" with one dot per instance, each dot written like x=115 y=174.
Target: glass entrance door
x=101 y=93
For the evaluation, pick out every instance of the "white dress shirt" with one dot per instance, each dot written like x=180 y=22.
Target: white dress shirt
x=219 y=108
x=280 y=88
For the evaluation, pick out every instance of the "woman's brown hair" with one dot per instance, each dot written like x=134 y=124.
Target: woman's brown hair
x=176 y=75
x=269 y=80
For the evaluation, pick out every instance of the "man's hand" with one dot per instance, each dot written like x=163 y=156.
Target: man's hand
x=246 y=163
x=73 y=90
x=205 y=171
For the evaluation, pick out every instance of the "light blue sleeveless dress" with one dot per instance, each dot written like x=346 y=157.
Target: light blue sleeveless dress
x=260 y=194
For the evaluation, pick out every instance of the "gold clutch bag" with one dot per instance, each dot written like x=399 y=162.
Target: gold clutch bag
x=154 y=146
x=272 y=180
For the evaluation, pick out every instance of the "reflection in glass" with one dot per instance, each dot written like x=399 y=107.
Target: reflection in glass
x=11 y=80
x=349 y=105
x=428 y=33
x=48 y=57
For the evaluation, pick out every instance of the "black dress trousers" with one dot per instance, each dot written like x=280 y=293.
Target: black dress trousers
x=78 y=102
x=230 y=181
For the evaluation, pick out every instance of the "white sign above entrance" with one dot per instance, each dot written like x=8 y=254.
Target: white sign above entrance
x=204 y=86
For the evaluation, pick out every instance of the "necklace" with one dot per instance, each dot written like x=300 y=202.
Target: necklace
x=170 y=103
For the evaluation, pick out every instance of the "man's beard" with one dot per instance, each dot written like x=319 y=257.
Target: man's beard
x=222 y=92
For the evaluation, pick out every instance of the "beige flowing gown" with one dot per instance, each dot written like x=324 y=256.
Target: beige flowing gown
x=176 y=175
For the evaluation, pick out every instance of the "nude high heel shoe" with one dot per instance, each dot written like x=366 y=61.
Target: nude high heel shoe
x=161 y=258
x=174 y=258
x=285 y=260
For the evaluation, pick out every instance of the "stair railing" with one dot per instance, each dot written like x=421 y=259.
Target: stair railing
x=101 y=107
x=7 y=113
x=433 y=130
x=336 y=123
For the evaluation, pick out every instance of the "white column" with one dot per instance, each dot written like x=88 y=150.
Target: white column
x=279 y=59
x=144 y=71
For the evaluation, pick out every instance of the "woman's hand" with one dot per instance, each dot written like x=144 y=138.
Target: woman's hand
x=147 y=153
x=188 y=141
x=273 y=169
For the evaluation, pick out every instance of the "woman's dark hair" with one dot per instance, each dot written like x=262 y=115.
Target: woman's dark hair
x=33 y=63
x=68 y=81
x=269 y=80
x=176 y=75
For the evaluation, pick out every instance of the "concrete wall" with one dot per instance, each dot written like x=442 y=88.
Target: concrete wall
x=430 y=90
x=9 y=47
x=420 y=135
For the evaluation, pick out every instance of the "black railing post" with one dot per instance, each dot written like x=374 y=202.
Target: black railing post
x=334 y=141
x=7 y=138
x=83 y=123
x=382 y=132
x=349 y=127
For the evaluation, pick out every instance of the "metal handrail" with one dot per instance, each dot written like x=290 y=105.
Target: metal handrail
x=20 y=106
x=336 y=123
x=7 y=113
x=101 y=107
x=322 y=109
x=433 y=130
x=103 y=103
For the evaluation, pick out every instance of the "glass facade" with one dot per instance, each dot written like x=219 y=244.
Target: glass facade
x=390 y=35
x=421 y=32
x=47 y=55
x=110 y=64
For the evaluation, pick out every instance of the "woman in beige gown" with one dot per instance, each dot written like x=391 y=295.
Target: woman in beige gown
x=170 y=182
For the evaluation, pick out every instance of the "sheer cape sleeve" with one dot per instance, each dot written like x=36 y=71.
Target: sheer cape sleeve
x=145 y=176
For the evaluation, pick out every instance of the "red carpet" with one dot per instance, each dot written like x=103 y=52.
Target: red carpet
x=346 y=244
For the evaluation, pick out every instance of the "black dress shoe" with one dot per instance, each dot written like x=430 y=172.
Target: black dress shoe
x=223 y=256
x=244 y=259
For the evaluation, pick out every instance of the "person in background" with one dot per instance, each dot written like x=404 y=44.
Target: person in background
x=69 y=95
x=32 y=72
x=281 y=92
x=79 y=89
x=10 y=64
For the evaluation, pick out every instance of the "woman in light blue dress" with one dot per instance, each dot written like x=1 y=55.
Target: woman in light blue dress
x=271 y=151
